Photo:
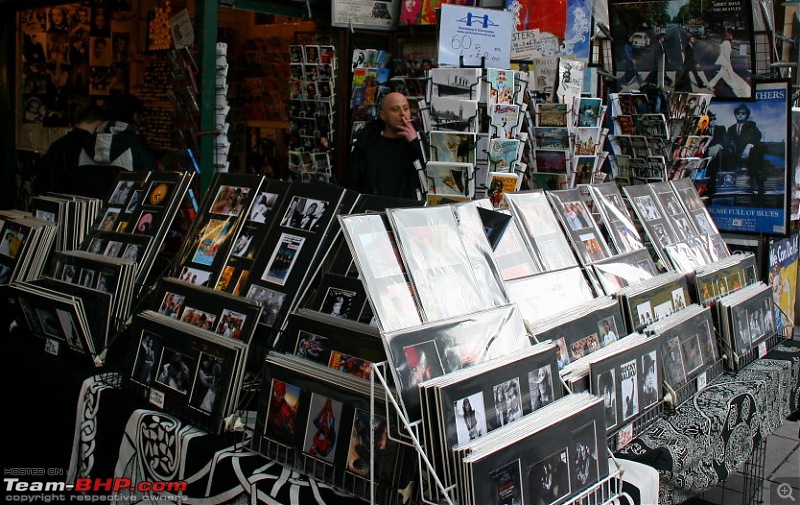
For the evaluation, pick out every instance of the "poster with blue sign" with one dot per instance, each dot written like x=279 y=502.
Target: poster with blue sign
x=747 y=173
x=550 y=28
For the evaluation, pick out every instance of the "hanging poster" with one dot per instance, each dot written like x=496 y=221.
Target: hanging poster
x=783 y=268
x=747 y=173
x=700 y=46
x=548 y=28
x=795 y=166
x=365 y=14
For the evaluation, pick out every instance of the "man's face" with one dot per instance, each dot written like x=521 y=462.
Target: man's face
x=395 y=111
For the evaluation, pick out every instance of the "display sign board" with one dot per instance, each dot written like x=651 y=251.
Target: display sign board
x=365 y=14
x=470 y=36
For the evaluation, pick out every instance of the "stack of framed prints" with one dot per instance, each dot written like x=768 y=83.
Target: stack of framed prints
x=699 y=215
x=73 y=320
x=139 y=212
x=377 y=259
x=437 y=262
x=541 y=229
x=347 y=346
x=26 y=243
x=746 y=321
x=89 y=297
x=107 y=274
x=580 y=227
x=622 y=270
x=73 y=214
x=653 y=299
x=327 y=425
x=628 y=379
x=469 y=403
x=188 y=371
x=292 y=249
x=616 y=217
x=216 y=236
x=511 y=251
x=581 y=330
x=547 y=457
x=231 y=316
x=473 y=231
x=656 y=222
x=724 y=276
x=437 y=348
x=544 y=294
x=689 y=350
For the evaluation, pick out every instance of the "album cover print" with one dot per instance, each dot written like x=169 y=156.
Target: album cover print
x=549 y=479
x=283 y=259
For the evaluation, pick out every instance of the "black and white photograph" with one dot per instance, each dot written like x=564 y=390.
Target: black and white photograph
x=650 y=387
x=647 y=208
x=263 y=204
x=607 y=390
x=629 y=389
x=175 y=370
x=674 y=373
x=121 y=193
x=507 y=402
x=243 y=245
x=149 y=350
x=470 y=417
x=195 y=276
x=339 y=303
x=271 y=300
x=540 y=386
x=304 y=213
x=584 y=455
x=549 y=479
x=207 y=383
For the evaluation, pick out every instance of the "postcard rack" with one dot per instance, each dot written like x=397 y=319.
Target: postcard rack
x=607 y=490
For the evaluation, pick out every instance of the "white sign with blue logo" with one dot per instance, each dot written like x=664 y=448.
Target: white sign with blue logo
x=474 y=37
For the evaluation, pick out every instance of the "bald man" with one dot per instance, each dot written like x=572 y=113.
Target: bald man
x=382 y=159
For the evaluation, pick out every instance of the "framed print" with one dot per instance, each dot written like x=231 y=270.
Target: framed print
x=748 y=178
x=708 y=52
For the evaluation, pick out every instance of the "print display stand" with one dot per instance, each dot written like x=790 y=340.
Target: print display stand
x=604 y=491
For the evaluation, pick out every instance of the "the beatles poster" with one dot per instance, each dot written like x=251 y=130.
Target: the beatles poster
x=693 y=46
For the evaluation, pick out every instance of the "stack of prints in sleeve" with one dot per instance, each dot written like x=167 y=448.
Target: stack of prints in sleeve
x=26 y=243
x=724 y=276
x=187 y=367
x=627 y=376
x=546 y=457
x=467 y=404
x=631 y=262
x=653 y=299
x=689 y=349
x=80 y=308
x=136 y=218
x=325 y=424
x=745 y=320
x=73 y=214
x=581 y=330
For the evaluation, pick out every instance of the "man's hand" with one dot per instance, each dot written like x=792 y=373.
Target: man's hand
x=407 y=130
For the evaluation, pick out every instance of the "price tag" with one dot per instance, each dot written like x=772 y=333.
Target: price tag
x=702 y=380
x=762 y=349
x=624 y=436
x=52 y=346
x=156 y=398
x=471 y=36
